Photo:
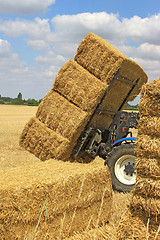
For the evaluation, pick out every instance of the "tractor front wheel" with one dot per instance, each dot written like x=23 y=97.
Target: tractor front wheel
x=122 y=164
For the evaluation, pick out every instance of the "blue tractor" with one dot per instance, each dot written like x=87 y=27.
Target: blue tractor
x=115 y=143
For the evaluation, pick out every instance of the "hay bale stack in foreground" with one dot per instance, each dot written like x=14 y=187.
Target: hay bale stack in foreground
x=80 y=94
x=142 y=220
x=52 y=200
x=103 y=61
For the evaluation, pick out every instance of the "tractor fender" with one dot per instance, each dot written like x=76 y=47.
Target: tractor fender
x=124 y=139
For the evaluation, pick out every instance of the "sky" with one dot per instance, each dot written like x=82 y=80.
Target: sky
x=37 y=37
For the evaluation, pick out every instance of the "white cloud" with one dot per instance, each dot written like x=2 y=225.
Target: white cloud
x=36 y=29
x=136 y=37
x=24 y=7
x=143 y=29
x=39 y=45
x=4 y=48
x=74 y=27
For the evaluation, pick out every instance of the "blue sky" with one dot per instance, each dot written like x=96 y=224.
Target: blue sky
x=37 y=37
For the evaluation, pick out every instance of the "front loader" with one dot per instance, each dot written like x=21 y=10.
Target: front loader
x=114 y=144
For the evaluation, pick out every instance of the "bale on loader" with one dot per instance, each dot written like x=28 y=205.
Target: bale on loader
x=81 y=95
x=103 y=60
x=62 y=116
x=79 y=86
x=44 y=142
x=52 y=200
x=142 y=219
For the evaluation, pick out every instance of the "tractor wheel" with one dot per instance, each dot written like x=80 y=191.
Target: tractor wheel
x=122 y=164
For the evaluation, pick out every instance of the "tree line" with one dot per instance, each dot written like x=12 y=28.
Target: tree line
x=19 y=101
x=33 y=102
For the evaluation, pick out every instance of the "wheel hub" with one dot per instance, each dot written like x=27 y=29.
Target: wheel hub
x=129 y=169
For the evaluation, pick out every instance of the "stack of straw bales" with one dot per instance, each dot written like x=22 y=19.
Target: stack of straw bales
x=53 y=200
x=77 y=91
x=142 y=220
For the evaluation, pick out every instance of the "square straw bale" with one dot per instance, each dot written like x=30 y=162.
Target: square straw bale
x=62 y=116
x=136 y=225
x=54 y=199
x=148 y=146
x=111 y=103
x=151 y=89
x=149 y=126
x=149 y=106
x=148 y=205
x=148 y=167
x=79 y=86
x=150 y=99
x=106 y=232
x=147 y=187
x=103 y=60
x=43 y=142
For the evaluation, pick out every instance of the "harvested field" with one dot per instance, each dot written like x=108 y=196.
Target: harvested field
x=103 y=61
x=12 y=122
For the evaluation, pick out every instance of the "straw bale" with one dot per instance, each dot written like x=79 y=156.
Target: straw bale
x=149 y=126
x=149 y=106
x=71 y=195
x=106 y=232
x=148 y=146
x=43 y=142
x=101 y=121
x=103 y=61
x=142 y=220
x=149 y=205
x=62 y=116
x=151 y=89
x=79 y=86
x=150 y=99
x=110 y=105
x=147 y=187
x=148 y=167
x=136 y=225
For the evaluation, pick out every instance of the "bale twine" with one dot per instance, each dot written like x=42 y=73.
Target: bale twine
x=142 y=219
x=52 y=200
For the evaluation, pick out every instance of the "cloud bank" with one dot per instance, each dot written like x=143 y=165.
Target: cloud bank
x=24 y=7
x=55 y=41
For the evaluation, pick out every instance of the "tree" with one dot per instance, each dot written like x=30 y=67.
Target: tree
x=19 y=97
